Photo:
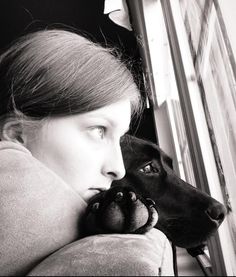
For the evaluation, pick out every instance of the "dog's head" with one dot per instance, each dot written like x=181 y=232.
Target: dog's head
x=187 y=216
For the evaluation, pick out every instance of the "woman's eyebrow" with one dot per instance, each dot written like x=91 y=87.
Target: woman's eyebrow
x=112 y=122
x=101 y=117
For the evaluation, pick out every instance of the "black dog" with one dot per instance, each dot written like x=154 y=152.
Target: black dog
x=186 y=215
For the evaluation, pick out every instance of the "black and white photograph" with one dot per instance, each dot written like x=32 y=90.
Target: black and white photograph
x=117 y=138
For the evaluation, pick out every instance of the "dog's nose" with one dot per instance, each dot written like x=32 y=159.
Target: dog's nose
x=216 y=212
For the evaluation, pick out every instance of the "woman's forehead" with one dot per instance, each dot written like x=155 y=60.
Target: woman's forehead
x=113 y=109
x=117 y=114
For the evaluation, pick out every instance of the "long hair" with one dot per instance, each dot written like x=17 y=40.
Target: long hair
x=57 y=72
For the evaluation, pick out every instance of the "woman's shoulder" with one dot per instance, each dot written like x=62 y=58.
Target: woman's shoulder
x=6 y=145
x=12 y=153
x=39 y=213
x=19 y=168
x=16 y=161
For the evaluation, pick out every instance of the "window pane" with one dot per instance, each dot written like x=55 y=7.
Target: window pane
x=215 y=70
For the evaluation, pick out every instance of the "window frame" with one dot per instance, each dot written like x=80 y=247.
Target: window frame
x=206 y=175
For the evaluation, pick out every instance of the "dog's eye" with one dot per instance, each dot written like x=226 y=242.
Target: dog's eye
x=149 y=168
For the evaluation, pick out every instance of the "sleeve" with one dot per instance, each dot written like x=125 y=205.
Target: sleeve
x=111 y=255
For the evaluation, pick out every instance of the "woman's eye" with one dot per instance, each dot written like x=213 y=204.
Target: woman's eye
x=99 y=131
x=149 y=168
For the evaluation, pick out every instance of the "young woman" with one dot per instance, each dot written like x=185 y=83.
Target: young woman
x=65 y=102
x=68 y=101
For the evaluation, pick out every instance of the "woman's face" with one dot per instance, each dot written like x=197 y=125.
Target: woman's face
x=84 y=149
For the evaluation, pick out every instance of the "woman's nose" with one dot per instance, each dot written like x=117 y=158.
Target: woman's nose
x=114 y=167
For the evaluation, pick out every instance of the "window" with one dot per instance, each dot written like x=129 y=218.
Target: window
x=215 y=69
x=190 y=70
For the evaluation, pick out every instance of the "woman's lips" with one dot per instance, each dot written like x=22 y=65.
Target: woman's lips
x=91 y=192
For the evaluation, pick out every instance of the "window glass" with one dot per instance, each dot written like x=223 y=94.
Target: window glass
x=213 y=64
x=194 y=104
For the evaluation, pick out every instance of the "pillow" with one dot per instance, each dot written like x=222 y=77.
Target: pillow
x=39 y=213
x=111 y=255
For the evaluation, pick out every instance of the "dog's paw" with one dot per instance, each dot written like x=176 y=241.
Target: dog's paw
x=120 y=210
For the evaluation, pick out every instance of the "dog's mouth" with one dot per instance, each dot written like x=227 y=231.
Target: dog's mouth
x=197 y=250
x=189 y=237
x=190 y=243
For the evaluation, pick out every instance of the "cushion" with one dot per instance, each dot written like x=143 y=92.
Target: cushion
x=39 y=213
x=111 y=255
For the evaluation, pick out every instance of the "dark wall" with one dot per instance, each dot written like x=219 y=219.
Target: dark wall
x=18 y=17
x=21 y=16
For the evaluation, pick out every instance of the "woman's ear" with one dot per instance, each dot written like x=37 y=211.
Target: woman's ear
x=13 y=131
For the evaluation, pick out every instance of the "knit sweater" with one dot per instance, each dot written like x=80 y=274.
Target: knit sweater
x=39 y=230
